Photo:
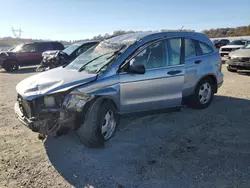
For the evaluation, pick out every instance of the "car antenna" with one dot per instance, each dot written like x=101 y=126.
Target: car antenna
x=182 y=28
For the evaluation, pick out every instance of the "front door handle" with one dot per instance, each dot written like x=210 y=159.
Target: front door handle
x=197 y=62
x=174 y=72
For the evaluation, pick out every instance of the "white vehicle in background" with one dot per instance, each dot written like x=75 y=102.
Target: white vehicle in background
x=234 y=45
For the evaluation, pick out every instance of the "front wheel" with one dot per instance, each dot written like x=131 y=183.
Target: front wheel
x=10 y=66
x=203 y=95
x=100 y=124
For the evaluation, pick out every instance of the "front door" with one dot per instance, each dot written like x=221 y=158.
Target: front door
x=29 y=55
x=161 y=85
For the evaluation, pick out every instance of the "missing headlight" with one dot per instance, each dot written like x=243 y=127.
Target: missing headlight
x=76 y=100
x=49 y=102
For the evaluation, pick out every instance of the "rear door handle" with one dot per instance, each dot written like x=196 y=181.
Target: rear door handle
x=197 y=61
x=174 y=72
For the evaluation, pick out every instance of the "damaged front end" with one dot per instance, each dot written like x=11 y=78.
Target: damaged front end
x=52 y=115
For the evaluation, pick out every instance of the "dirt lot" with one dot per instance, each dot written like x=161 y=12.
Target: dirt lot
x=207 y=148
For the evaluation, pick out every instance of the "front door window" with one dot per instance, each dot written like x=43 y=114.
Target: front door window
x=151 y=57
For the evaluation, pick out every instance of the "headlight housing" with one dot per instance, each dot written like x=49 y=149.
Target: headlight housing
x=49 y=102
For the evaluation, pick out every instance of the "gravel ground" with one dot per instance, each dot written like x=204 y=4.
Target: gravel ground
x=206 y=148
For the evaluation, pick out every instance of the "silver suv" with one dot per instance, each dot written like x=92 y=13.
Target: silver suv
x=125 y=74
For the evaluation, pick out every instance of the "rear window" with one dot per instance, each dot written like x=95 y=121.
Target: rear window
x=206 y=49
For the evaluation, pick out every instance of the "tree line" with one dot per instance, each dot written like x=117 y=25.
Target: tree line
x=228 y=32
x=212 y=33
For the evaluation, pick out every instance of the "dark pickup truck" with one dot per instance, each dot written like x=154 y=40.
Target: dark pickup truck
x=26 y=54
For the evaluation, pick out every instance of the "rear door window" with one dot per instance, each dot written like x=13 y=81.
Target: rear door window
x=58 y=46
x=190 y=50
x=49 y=46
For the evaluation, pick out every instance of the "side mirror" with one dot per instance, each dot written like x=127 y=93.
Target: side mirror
x=136 y=69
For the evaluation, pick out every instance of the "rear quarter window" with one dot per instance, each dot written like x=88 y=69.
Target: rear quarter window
x=206 y=49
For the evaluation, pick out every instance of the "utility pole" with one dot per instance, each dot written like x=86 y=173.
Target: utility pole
x=16 y=32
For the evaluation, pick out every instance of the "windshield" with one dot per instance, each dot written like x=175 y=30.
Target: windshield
x=17 y=48
x=247 y=46
x=96 y=58
x=237 y=42
x=70 y=49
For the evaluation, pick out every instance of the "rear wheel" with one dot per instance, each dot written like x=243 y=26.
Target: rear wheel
x=203 y=95
x=99 y=125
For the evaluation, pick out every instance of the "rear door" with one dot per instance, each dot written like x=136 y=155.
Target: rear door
x=161 y=85
x=198 y=61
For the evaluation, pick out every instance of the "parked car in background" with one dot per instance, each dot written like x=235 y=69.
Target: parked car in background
x=220 y=42
x=234 y=45
x=26 y=54
x=239 y=59
x=55 y=58
x=125 y=74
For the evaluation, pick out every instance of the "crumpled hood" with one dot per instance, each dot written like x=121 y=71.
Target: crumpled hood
x=56 y=80
x=232 y=46
x=240 y=53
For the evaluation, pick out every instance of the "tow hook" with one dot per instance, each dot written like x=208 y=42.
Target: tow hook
x=41 y=136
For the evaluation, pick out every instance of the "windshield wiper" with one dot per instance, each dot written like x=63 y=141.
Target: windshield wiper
x=82 y=67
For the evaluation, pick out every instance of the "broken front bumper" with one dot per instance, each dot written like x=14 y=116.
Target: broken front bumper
x=48 y=126
x=27 y=122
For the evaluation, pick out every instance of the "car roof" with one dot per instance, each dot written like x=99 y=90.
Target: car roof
x=40 y=42
x=86 y=41
x=147 y=36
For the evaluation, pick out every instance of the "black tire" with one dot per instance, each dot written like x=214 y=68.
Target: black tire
x=10 y=66
x=90 y=131
x=231 y=70
x=194 y=101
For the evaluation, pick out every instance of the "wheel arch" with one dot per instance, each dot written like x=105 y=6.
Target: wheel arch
x=81 y=117
x=7 y=60
x=212 y=77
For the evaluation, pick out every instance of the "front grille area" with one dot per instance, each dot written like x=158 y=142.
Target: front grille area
x=245 y=59
x=241 y=59
x=226 y=49
x=25 y=107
